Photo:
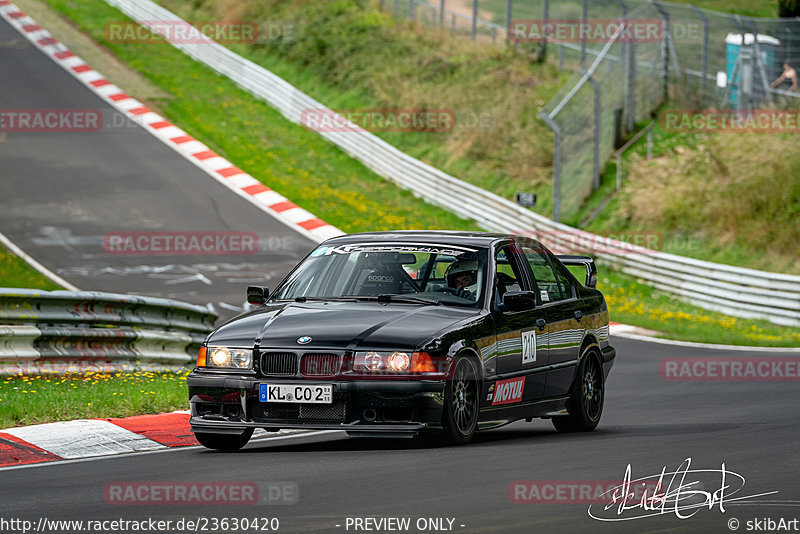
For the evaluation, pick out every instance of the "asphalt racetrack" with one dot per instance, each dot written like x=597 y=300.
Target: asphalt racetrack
x=648 y=422
x=64 y=191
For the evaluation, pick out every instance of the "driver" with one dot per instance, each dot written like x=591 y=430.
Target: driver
x=462 y=274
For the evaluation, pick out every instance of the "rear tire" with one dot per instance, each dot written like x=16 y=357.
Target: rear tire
x=585 y=404
x=460 y=417
x=224 y=442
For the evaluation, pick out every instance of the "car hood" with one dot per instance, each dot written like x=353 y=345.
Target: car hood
x=330 y=324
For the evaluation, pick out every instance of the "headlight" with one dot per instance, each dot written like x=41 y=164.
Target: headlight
x=381 y=362
x=227 y=358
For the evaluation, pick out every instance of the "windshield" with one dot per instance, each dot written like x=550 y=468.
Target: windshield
x=439 y=274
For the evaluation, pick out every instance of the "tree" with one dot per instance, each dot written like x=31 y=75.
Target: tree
x=788 y=8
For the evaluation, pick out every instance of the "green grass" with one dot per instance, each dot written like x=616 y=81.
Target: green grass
x=16 y=273
x=349 y=56
x=29 y=400
x=523 y=10
x=676 y=195
x=750 y=8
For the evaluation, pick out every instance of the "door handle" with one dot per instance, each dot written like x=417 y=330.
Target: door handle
x=579 y=315
x=541 y=323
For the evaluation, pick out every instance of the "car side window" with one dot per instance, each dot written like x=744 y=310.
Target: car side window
x=553 y=286
x=508 y=276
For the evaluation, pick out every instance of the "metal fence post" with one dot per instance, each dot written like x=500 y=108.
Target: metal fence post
x=627 y=62
x=744 y=98
x=584 y=19
x=704 y=73
x=762 y=73
x=509 y=7
x=597 y=105
x=545 y=18
x=556 y=165
x=396 y=8
x=412 y=8
x=664 y=47
x=474 y=19
x=441 y=12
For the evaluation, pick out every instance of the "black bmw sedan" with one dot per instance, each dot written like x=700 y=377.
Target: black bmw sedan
x=391 y=334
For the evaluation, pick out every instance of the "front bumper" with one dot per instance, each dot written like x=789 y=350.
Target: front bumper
x=223 y=403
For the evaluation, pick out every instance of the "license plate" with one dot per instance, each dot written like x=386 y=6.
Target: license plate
x=296 y=393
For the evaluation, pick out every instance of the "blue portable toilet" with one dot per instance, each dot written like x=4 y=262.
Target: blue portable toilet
x=768 y=47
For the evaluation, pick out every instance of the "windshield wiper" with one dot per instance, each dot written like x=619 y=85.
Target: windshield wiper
x=388 y=297
x=317 y=299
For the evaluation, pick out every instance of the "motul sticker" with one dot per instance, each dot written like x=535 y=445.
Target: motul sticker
x=508 y=391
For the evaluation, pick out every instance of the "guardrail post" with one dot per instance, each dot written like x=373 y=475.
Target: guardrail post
x=556 y=165
x=441 y=13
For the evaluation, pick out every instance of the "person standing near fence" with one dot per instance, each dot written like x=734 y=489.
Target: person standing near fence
x=788 y=74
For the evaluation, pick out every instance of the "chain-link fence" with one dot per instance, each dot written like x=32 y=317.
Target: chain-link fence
x=629 y=58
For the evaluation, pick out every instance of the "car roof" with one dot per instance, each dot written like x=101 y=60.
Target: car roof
x=424 y=236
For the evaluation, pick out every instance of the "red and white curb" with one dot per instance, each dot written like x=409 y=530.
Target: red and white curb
x=86 y=438
x=190 y=148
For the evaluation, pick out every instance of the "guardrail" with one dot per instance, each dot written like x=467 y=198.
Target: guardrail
x=67 y=326
x=732 y=290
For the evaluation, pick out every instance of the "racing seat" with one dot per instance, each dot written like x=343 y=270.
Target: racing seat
x=504 y=284
x=381 y=280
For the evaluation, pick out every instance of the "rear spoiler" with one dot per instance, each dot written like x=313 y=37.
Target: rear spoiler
x=585 y=261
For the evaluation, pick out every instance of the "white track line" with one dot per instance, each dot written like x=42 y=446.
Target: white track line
x=35 y=264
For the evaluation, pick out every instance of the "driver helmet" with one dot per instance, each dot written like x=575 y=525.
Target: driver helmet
x=459 y=268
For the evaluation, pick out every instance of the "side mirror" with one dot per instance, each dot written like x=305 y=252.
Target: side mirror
x=519 y=300
x=257 y=295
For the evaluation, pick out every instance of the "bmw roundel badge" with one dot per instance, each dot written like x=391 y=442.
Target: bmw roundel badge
x=304 y=339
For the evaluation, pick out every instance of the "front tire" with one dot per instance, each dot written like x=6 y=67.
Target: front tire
x=224 y=442
x=586 y=399
x=460 y=418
